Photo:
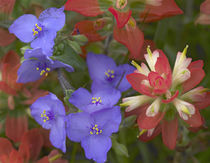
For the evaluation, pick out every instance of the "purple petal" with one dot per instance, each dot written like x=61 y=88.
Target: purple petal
x=81 y=98
x=45 y=41
x=96 y=147
x=27 y=71
x=78 y=126
x=35 y=53
x=58 y=64
x=108 y=119
x=98 y=65
x=23 y=26
x=53 y=18
x=58 y=134
x=125 y=69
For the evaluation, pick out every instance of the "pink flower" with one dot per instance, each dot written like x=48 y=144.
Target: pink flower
x=160 y=86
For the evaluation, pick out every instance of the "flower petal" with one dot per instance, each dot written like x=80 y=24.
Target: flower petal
x=45 y=41
x=6 y=38
x=147 y=137
x=96 y=147
x=31 y=144
x=84 y=7
x=204 y=103
x=205 y=7
x=125 y=70
x=196 y=75
x=168 y=8
x=146 y=122
x=16 y=127
x=98 y=65
x=108 y=119
x=81 y=98
x=169 y=133
x=23 y=26
x=57 y=64
x=133 y=39
x=78 y=126
x=5 y=147
x=121 y=17
x=58 y=134
x=195 y=120
x=53 y=18
x=27 y=71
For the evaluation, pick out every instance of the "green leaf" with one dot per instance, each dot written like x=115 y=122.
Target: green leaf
x=71 y=58
x=80 y=39
x=75 y=46
x=120 y=149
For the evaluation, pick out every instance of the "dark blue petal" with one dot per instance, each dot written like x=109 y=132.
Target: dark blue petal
x=45 y=41
x=78 y=126
x=108 y=119
x=81 y=98
x=58 y=134
x=98 y=65
x=96 y=147
x=23 y=26
x=27 y=71
x=53 y=18
x=125 y=69
x=58 y=64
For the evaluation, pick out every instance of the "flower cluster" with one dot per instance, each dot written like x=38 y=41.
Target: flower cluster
x=166 y=94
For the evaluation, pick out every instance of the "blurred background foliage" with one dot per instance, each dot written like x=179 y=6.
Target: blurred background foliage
x=171 y=35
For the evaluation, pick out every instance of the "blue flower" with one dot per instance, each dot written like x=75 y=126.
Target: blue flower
x=36 y=64
x=49 y=112
x=100 y=98
x=94 y=131
x=103 y=69
x=40 y=32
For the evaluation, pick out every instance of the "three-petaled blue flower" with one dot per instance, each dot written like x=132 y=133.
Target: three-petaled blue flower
x=36 y=64
x=103 y=69
x=94 y=131
x=100 y=98
x=49 y=112
x=40 y=32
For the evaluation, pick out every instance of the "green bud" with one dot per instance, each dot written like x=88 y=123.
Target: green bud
x=24 y=48
x=80 y=39
x=75 y=46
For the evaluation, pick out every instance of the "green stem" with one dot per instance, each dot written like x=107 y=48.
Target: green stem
x=74 y=152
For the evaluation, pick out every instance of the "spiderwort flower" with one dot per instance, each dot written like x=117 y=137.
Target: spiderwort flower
x=100 y=98
x=40 y=32
x=36 y=65
x=159 y=86
x=103 y=69
x=49 y=112
x=94 y=131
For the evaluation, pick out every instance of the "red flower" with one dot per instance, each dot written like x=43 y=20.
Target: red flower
x=9 y=66
x=6 y=38
x=84 y=7
x=152 y=13
x=204 y=17
x=159 y=87
x=89 y=29
x=132 y=37
x=121 y=17
x=15 y=127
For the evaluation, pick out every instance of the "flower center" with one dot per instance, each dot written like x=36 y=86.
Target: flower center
x=120 y=4
x=95 y=130
x=110 y=75
x=37 y=29
x=43 y=69
x=96 y=100
x=46 y=116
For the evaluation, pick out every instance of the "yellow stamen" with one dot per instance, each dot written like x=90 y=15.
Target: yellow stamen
x=185 y=110
x=136 y=65
x=149 y=51
x=142 y=132
x=183 y=56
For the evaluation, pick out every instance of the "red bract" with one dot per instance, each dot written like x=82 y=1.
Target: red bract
x=6 y=38
x=205 y=7
x=89 y=29
x=6 y=6
x=9 y=66
x=84 y=7
x=15 y=127
x=160 y=86
x=132 y=37
x=121 y=17
x=168 y=8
